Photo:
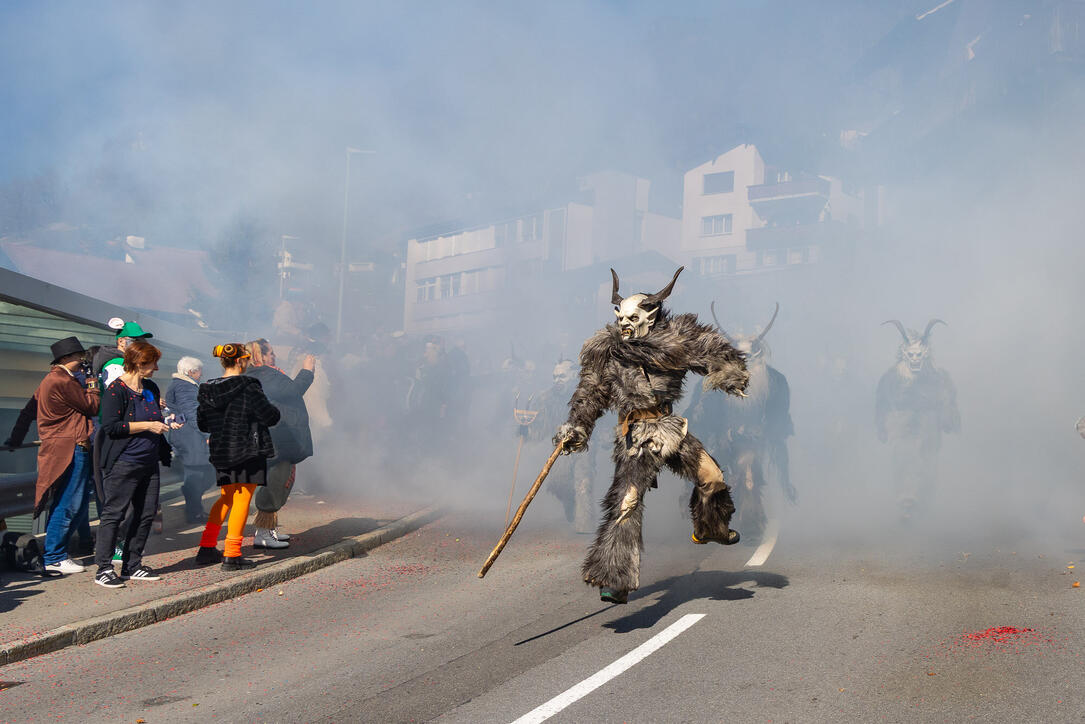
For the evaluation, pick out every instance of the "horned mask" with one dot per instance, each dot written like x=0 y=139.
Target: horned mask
x=915 y=350
x=753 y=346
x=637 y=314
x=564 y=372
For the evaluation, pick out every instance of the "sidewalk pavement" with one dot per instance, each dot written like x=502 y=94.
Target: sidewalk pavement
x=41 y=615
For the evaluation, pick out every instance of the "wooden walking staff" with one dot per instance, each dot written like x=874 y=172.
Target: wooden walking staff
x=520 y=511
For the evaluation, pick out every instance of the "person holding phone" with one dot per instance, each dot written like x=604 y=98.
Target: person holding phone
x=129 y=449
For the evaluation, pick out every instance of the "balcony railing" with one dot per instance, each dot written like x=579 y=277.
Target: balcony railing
x=812 y=186
x=768 y=238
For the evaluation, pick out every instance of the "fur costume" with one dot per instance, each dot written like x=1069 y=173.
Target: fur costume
x=570 y=484
x=637 y=368
x=749 y=434
x=916 y=403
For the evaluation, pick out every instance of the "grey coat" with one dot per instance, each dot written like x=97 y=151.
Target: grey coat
x=189 y=444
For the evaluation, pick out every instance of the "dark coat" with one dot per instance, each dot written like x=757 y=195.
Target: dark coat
x=115 y=433
x=188 y=442
x=64 y=411
x=237 y=415
x=293 y=440
x=26 y=418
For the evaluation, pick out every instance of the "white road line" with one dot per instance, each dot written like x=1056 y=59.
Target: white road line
x=593 y=682
x=772 y=530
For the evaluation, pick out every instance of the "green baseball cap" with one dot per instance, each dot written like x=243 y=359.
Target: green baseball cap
x=133 y=330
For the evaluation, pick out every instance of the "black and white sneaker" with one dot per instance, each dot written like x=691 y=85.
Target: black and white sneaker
x=108 y=578
x=142 y=573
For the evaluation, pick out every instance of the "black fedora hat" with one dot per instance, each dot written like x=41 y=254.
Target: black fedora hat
x=65 y=347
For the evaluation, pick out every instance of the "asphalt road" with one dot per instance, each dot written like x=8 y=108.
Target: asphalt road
x=822 y=632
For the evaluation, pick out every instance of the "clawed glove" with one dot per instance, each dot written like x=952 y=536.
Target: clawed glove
x=573 y=437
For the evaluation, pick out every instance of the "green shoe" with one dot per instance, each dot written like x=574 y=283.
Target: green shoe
x=610 y=595
x=118 y=554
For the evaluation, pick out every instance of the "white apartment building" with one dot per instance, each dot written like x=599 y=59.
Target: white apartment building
x=740 y=215
x=466 y=279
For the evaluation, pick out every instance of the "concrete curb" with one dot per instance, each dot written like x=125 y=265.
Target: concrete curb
x=263 y=576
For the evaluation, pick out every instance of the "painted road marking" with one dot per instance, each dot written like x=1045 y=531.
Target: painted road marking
x=772 y=530
x=593 y=682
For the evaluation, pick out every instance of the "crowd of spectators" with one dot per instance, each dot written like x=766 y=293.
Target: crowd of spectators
x=106 y=429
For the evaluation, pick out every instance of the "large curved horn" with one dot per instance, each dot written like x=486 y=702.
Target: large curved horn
x=719 y=327
x=930 y=326
x=663 y=293
x=769 y=326
x=615 y=298
x=900 y=327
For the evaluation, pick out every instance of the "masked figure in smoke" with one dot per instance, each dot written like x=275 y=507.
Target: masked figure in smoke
x=749 y=434
x=570 y=484
x=637 y=367
x=916 y=403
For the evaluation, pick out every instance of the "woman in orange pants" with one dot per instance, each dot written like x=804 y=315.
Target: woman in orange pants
x=236 y=414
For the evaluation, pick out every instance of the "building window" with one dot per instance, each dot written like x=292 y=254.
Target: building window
x=719 y=183
x=457 y=284
x=768 y=258
x=533 y=228
x=427 y=289
x=506 y=233
x=716 y=225
x=450 y=285
x=722 y=264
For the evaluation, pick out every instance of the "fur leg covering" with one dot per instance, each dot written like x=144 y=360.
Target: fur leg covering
x=614 y=558
x=267 y=520
x=710 y=505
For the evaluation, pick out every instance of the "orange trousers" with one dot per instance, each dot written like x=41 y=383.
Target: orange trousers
x=233 y=503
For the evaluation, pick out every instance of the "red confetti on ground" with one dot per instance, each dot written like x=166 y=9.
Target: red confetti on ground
x=1001 y=639
x=998 y=634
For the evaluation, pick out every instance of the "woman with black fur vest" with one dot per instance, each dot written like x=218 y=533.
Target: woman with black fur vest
x=235 y=412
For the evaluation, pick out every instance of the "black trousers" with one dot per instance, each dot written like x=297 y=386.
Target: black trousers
x=126 y=484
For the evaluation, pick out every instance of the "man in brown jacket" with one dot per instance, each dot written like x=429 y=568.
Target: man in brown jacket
x=65 y=410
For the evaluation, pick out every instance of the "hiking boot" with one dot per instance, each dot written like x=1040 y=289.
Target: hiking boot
x=613 y=595
x=237 y=564
x=732 y=538
x=208 y=555
x=264 y=538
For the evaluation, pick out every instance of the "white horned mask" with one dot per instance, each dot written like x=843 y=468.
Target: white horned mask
x=637 y=314
x=752 y=347
x=915 y=349
x=564 y=372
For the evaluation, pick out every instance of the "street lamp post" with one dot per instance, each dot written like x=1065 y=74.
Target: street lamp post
x=343 y=246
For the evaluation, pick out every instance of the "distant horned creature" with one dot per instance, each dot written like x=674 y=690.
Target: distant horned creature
x=916 y=403
x=748 y=435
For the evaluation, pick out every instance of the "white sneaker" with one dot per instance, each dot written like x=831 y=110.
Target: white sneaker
x=264 y=538
x=66 y=566
x=279 y=535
